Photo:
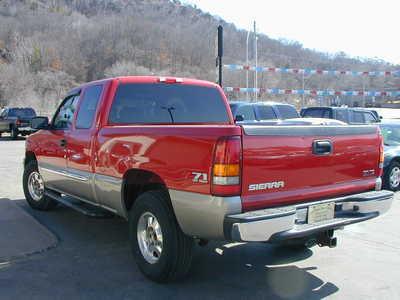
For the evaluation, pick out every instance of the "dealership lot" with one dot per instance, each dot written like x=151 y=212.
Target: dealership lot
x=92 y=259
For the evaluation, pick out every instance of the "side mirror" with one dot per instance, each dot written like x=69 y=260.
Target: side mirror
x=239 y=118
x=40 y=123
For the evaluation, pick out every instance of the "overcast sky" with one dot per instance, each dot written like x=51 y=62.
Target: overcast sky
x=368 y=28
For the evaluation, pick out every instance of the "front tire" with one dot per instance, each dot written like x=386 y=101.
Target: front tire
x=34 y=189
x=161 y=250
x=392 y=177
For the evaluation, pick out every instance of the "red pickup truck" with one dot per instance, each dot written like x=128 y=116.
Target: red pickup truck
x=166 y=154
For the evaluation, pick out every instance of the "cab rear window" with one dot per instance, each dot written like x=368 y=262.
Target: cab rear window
x=167 y=104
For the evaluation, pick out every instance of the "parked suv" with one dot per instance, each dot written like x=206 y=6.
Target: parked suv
x=259 y=111
x=350 y=115
x=16 y=121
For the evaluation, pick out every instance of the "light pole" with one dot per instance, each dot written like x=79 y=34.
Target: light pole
x=247 y=64
x=256 y=61
x=303 y=88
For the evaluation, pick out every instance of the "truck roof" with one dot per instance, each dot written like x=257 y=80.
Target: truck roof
x=148 y=79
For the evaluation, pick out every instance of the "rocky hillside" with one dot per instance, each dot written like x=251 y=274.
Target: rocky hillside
x=48 y=46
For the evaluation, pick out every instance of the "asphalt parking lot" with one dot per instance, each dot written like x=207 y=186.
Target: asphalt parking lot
x=92 y=260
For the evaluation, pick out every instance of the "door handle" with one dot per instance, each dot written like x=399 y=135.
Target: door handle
x=322 y=147
x=63 y=142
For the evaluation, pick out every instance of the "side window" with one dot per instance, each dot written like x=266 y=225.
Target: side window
x=316 y=113
x=369 y=118
x=288 y=112
x=65 y=113
x=88 y=106
x=247 y=111
x=357 y=117
x=341 y=115
x=266 y=112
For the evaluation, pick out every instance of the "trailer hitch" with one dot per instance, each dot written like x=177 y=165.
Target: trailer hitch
x=326 y=239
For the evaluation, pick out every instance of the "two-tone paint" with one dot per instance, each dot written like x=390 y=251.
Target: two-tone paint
x=93 y=164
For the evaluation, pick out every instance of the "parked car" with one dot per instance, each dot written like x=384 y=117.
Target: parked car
x=259 y=111
x=391 y=169
x=387 y=113
x=16 y=120
x=166 y=155
x=349 y=115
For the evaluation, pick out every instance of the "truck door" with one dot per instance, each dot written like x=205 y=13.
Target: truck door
x=80 y=141
x=53 y=151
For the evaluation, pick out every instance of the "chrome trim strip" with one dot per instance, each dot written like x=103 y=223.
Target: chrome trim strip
x=202 y=215
x=312 y=130
x=67 y=174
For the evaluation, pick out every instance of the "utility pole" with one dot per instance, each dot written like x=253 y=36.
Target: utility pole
x=256 y=61
x=363 y=89
x=247 y=64
x=220 y=41
x=303 y=87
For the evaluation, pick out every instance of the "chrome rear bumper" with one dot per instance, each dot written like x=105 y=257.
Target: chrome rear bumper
x=290 y=222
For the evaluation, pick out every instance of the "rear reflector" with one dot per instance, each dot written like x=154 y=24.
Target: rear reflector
x=227 y=166
x=231 y=180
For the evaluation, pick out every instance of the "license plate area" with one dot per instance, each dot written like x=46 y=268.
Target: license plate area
x=320 y=212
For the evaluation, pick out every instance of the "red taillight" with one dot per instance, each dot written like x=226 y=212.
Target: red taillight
x=226 y=169
x=381 y=156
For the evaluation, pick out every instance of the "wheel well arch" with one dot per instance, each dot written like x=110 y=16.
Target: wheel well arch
x=396 y=159
x=392 y=160
x=29 y=156
x=136 y=182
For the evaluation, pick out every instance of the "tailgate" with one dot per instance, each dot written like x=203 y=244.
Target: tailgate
x=281 y=164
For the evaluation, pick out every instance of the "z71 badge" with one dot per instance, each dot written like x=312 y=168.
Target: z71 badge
x=200 y=177
x=266 y=186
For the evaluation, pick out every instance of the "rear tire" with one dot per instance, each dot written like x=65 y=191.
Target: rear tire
x=34 y=189
x=391 y=177
x=172 y=259
x=14 y=132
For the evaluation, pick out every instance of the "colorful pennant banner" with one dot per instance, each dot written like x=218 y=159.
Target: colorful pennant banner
x=312 y=71
x=276 y=91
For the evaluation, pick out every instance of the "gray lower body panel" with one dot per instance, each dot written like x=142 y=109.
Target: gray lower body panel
x=203 y=215
x=96 y=189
